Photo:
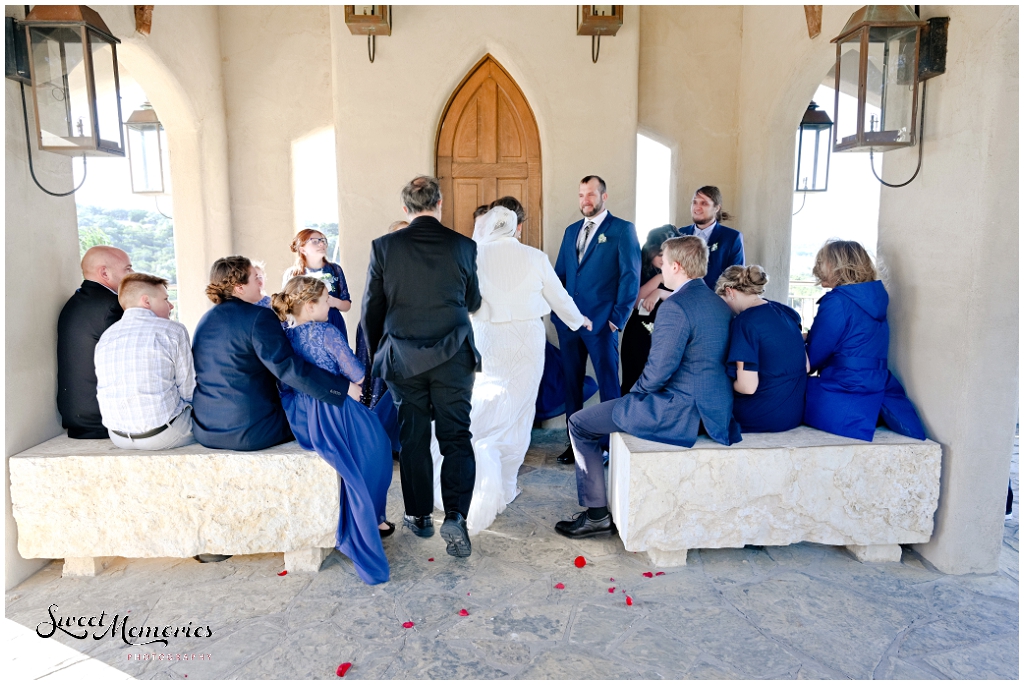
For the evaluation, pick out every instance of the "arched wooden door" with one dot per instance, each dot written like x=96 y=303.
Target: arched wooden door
x=488 y=146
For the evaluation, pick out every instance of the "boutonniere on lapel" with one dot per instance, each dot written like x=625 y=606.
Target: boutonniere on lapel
x=713 y=247
x=602 y=238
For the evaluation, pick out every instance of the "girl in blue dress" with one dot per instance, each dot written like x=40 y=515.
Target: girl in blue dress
x=848 y=345
x=766 y=356
x=310 y=248
x=348 y=437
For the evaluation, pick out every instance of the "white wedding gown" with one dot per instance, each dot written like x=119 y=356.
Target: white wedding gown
x=518 y=286
x=504 y=404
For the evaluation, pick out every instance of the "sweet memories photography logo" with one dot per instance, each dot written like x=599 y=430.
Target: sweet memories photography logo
x=101 y=626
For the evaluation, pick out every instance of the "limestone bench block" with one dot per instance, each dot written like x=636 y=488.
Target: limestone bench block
x=803 y=485
x=82 y=499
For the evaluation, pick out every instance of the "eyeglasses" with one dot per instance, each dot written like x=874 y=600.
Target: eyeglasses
x=322 y=241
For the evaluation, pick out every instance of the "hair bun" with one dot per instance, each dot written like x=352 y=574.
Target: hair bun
x=756 y=275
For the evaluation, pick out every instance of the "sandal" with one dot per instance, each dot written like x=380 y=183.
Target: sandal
x=385 y=532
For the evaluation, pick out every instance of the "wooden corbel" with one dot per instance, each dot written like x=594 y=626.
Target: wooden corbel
x=144 y=19
x=813 y=15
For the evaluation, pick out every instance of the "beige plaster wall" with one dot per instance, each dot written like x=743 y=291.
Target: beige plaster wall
x=955 y=305
x=689 y=97
x=387 y=113
x=277 y=88
x=179 y=67
x=44 y=231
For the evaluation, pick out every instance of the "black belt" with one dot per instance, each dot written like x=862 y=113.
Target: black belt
x=147 y=434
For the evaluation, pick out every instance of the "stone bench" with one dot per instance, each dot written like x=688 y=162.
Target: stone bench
x=803 y=485
x=86 y=501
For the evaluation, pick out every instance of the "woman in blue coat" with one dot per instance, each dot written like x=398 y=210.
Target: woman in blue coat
x=766 y=356
x=848 y=345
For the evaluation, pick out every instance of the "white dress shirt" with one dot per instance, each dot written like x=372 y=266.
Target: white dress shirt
x=144 y=372
x=593 y=231
x=518 y=283
x=704 y=233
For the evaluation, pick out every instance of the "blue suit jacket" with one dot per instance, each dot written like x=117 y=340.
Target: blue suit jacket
x=604 y=285
x=725 y=249
x=685 y=380
x=240 y=351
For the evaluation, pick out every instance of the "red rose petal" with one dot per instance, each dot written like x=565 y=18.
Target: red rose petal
x=648 y=574
x=430 y=559
x=463 y=612
x=408 y=624
x=559 y=586
x=629 y=601
x=611 y=590
x=612 y=579
x=343 y=669
x=580 y=562
x=283 y=573
x=660 y=573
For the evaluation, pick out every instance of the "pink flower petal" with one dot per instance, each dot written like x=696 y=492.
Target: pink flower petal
x=283 y=573
x=648 y=574
x=660 y=573
x=580 y=562
x=408 y=624
x=611 y=590
x=430 y=559
x=559 y=586
x=629 y=601
x=343 y=669
x=612 y=579
x=463 y=612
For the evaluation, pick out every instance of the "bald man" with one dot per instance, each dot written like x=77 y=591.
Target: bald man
x=90 y=311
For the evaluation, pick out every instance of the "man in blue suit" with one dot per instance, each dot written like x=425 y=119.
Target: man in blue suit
x=684 y=387
x=240 y=353
x=599 y=265
x=725 y=245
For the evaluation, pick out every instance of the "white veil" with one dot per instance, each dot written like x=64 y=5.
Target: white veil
x=498 y=222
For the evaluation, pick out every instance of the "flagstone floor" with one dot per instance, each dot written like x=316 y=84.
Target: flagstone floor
x=803 y=611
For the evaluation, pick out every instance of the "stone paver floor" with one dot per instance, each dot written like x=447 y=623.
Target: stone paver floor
x=803 y=611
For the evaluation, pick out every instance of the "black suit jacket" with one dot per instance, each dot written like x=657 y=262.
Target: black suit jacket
x=420 y=288
x=90 y=311
x=239 y=350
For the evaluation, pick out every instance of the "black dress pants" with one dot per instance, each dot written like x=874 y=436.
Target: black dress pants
x=442 y=394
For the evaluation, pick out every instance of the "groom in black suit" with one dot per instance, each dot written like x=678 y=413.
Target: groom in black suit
x=420 y=288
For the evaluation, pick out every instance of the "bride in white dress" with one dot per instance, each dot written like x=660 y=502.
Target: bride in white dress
x=518 y=286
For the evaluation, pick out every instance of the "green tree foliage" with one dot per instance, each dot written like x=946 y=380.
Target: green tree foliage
x=147 y=236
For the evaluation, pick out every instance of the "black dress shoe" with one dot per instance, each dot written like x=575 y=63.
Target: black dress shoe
x=456 y=534
x=387 y=532
x=581 y=526
x=423 y=526
x=567 y=457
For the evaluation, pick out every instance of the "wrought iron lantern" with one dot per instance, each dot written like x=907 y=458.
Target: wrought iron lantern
x=813 y=151
x=877 y=57
x=146 y=151
x=596 y=21
x=75 y=88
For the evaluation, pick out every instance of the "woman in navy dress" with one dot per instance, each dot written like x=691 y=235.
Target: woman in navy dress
x=310 y=248
x=348 y=437
x=848 y=345
x=766 y=356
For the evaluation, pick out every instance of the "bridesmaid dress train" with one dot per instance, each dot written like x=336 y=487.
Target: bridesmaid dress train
x=351 y=439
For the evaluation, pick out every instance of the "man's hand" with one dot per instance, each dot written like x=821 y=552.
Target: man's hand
x=612 y=326
x=588 y=324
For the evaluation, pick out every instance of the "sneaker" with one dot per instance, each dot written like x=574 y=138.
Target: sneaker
x=456 y=534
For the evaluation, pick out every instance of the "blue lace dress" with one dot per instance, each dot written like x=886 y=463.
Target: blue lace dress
x=349 y=438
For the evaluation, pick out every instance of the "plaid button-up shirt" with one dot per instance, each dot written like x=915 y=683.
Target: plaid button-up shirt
x=144 y=372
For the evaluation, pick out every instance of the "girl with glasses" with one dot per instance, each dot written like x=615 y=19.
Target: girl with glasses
x=310 y=248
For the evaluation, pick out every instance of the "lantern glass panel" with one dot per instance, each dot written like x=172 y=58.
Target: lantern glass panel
x=145 y=154
x=365 y=10
x=60 y=88
x=813 y=159
x=108 y=107
x=892 y=64
x=848 y=67
x=602 y=10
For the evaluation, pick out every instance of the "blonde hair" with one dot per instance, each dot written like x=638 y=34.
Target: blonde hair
x=745 y=279
x=135 y=285
x=689 y=252
x=296 y=293
x=397 y=225
x=843 y=262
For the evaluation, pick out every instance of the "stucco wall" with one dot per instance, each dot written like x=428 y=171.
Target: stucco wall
x=689 y=89
x=387 y=113
x=955 y=305
x=41 y=239
x=277 y=88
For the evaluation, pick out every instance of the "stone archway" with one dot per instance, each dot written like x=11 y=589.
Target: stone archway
x=488 y=146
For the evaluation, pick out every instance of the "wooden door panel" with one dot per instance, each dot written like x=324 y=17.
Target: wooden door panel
x=488 y=146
